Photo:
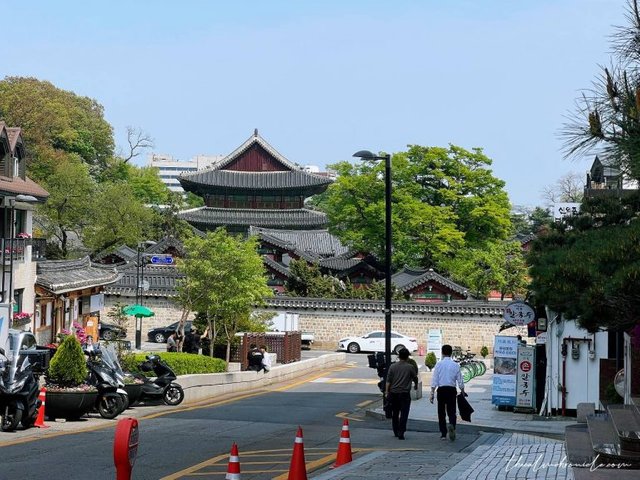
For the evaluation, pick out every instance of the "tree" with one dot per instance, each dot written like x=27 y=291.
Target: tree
x=118 y=218
x=568 y=188
x=225 y=278
x=55 y=124
x=137 y=141
x=607 y=117
x=67 y=210
x=443 y=200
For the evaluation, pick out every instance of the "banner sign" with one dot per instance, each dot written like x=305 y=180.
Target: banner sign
x=525 y=385
x=434 y=342
x=505 y=356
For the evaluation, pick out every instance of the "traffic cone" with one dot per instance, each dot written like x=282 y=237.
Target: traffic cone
x=40 y=420
x=298 y=468
x=233 y=470
x=344 y=447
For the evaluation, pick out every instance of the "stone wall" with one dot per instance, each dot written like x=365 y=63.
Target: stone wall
x=464 y=331
x=165 y=310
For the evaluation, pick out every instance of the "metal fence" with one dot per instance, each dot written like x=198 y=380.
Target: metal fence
x=16 y=248
x=286 y=345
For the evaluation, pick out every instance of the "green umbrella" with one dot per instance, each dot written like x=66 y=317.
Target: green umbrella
x=138 y=311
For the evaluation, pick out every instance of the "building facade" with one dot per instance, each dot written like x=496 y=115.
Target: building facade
x=170 y=169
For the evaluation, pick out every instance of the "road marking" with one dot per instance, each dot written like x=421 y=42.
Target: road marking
x=366 y=381
x=346 y=415
x=365 y=403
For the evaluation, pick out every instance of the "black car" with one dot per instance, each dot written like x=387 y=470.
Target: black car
x=109 y=331
x=160 y=334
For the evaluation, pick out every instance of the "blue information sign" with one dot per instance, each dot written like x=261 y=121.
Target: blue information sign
x=162 y=259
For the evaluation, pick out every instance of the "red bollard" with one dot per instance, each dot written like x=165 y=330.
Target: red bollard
x=125 y=447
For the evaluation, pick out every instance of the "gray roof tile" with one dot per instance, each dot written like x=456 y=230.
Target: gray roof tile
x=60 y=276
x=209 y=217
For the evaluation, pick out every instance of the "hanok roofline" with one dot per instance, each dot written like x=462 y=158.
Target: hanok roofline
x=410 y=278
x=61 y=276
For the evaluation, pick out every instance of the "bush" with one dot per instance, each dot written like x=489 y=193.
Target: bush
x=68 y=367
x=430 y=360
x=181 y=363
x=484 y=351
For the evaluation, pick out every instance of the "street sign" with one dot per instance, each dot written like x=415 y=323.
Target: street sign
x=518 y=314
x=162 y=259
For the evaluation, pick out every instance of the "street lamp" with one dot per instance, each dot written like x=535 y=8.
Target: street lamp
x=367 y=155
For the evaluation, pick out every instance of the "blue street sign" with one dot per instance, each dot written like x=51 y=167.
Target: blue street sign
x=162 y=259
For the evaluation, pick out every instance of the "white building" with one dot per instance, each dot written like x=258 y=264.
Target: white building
x=169 y=168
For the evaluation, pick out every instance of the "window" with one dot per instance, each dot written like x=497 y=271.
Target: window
x=18 y=295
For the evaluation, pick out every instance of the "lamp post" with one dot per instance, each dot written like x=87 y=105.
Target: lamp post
x=367 y=155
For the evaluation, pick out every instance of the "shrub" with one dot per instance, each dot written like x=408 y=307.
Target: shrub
x=430 y=360
x=181 y=363
x=68 y=367
x=484 y=351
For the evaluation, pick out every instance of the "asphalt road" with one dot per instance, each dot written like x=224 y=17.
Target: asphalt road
x=195 y=442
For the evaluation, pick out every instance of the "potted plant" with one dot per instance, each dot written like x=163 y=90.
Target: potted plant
x=68 y=394
x=21 y=318
x=430 y=360
x=484 y=351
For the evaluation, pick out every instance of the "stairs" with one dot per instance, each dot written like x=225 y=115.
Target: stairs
x=608 y=446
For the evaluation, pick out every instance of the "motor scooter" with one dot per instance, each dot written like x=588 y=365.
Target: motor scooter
x=111 y=394
x=162 y=387
x=18 y=391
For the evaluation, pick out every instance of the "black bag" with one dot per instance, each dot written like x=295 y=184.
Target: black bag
x=464 y=408
x=386 y=405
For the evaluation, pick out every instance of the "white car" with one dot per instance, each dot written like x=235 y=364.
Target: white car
x=374 y=342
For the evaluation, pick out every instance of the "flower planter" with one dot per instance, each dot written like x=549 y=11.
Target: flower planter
x=69 y=404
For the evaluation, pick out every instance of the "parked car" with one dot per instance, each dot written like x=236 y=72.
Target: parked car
x=160 y=334
x=110 y=331
x=374 y=342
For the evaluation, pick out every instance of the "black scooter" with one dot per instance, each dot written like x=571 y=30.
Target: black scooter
x=18 y=391
x=162 y=388
x=112 y=399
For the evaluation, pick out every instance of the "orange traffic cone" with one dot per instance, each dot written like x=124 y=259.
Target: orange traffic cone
x=344 y=447
x=40 y=420
x=233 y=470
x=298 y=468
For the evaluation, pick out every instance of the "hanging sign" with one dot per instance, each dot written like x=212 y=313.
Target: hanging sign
x=525 y=383
x=519 y=314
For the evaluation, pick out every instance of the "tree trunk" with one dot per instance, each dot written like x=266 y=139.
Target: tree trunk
x=180 y=329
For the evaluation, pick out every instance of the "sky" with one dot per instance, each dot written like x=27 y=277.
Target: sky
x=321 y=80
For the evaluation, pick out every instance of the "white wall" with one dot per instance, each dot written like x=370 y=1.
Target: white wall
x=582 y=375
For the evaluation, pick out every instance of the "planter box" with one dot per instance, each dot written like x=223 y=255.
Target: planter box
x=69 y=405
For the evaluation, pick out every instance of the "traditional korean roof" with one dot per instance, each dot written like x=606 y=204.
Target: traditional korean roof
x=167 y=243
x=208 y=218
x=318 y=243
x=61 y=276
x=162 y=281
x=256 y=139
x=408 y=279
x=218 y=177
x=252 y=181
x=124 y=252
x=277 y=266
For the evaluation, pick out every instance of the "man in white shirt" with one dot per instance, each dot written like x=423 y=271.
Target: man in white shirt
x=446 y=375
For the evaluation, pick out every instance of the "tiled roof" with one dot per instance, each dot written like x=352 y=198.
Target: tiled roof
x=208 y=217
x=124 y=252
x=239 y=180
x=18 y=186
x=409 y=278
x=456 y=307
x=166 y=243
x=277 y=266
x=253 y=140
x=14 y=135
x=316 y=242
x=60 y=276
x=162 y=281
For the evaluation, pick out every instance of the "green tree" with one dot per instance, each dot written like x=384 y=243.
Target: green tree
x=71 y=193
x=225 y=278
x=68 y=367
x=118 y=218
x=443 y=200
x=55 y=124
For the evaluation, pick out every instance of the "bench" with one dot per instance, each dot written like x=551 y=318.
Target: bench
x=606 y=444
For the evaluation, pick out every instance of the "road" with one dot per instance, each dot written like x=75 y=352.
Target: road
x=193 y=442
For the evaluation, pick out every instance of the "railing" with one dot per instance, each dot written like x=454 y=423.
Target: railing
x=17 y=247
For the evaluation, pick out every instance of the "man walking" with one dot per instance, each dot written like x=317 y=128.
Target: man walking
x=445 y=377
x=398 y=391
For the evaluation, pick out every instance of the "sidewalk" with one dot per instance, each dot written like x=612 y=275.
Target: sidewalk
x=511 y=445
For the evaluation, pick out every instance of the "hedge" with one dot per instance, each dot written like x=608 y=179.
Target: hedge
x=181 y=363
